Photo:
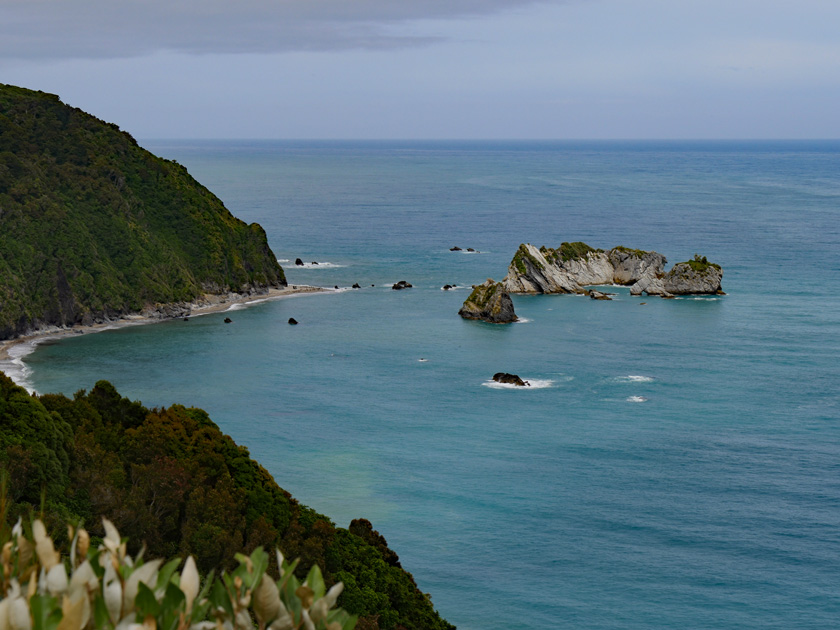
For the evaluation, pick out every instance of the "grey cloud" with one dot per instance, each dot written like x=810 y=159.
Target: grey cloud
x=126 y=28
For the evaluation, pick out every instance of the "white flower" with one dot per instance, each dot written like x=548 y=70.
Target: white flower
x=189 y=582
x=147 y=574
x=57 y=580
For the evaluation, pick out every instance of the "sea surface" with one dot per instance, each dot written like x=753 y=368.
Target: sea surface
x=676 y=463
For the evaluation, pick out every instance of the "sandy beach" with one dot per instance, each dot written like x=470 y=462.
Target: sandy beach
x=13 y=350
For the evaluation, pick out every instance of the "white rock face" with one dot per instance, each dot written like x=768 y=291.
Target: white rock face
x=544 y=270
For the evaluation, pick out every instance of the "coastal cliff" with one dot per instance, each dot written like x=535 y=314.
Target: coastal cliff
x=573 y=266
x=94 y=227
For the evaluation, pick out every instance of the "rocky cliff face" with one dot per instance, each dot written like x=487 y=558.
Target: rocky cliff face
x=489 y=302
x=573 y=266
x=693 y=277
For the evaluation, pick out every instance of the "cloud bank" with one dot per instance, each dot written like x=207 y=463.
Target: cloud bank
x=50 y=29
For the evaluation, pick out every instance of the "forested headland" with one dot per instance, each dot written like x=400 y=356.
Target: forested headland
x=93 y=226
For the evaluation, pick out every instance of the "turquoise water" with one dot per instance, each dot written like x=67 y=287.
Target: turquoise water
x=679 y=467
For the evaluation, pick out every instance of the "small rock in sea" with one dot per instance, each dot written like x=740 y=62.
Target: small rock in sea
x=356 y=286
x=186 y=319
x=298 y=262
x=336 y=286
x=455 y=249
x=228 y=320
x=314 y=263
x=510 y=379
x=642 y=303
x=373 y=285
x=470 y=249
x=402 y=284
x=292 y=320
x=446 y=287
x=597 y=295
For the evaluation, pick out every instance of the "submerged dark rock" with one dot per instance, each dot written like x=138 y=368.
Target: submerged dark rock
x=455 y=249
x=356 y=286
x=598 y=295
x=402 y=284
x=510 y=379
x=228 y=320
x=292 y=320
x=298 y=262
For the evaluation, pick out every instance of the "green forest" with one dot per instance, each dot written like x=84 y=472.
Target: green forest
x=169 y=479
x=93 y=226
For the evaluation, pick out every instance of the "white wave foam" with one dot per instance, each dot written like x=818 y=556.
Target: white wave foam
x=317 y=265
x=15 y=367
x=706 y=299
x=535 y=384
x=283 y=260
x=636 y=399
x=635 y=378
x=523 y=320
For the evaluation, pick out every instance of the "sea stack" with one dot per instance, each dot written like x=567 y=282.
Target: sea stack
x=489 y=302
x=693 y=277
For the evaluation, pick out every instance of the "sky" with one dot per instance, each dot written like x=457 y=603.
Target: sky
x=435 y=69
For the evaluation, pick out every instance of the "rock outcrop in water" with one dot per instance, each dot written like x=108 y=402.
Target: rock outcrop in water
x=489 y=302
x=693 y=277
x=573 y=266
x=510 y=379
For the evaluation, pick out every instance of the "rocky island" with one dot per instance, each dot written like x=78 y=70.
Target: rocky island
x=489 y=302
x=573 y=266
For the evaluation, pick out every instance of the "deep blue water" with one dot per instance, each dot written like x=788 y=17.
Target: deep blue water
x=682 y=468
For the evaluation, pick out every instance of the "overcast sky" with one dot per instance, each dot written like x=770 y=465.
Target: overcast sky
x=435 y=68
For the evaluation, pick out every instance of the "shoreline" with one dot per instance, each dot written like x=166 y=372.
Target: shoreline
x=13 y=351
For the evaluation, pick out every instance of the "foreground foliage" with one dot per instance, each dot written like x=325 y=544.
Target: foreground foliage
x=106 y=588
x=170 y=479
x=94 y=226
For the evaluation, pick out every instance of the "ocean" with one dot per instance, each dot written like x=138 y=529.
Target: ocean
x=676 y=463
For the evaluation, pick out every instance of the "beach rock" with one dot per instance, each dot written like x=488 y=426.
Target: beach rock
x=228 y=320
x=167 y=311
x=293 y=321
x=402 y=284
x=510 y=379
x=598 y=295
x=489 y=302
x=298 y=262
x=455 y=249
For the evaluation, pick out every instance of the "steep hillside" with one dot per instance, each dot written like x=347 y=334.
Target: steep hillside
x=171 y=480
x=94 y=226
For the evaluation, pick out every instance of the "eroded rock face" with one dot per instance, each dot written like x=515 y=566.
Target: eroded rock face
x=573 y=266
x=489 y=302
x=693 y=277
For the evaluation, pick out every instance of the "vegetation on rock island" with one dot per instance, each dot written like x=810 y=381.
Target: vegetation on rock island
x=172 y=482
x=93 y=226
